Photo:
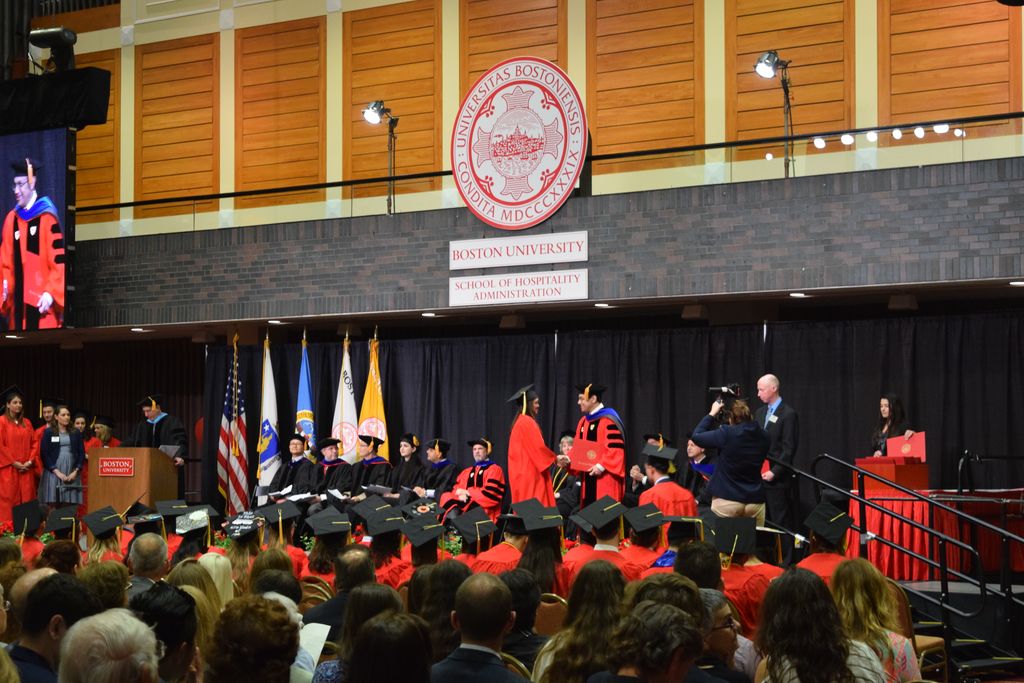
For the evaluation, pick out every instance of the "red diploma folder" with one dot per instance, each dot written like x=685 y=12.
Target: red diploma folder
x=907 y=448
x=585 y=454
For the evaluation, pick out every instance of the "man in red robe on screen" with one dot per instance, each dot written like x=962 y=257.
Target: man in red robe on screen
x=604 y=426
x=482 y=484
x=529 y=458
x=31 y=256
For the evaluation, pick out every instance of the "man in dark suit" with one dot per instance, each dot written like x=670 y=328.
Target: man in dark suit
x=780 y=420
x=161 y=429
x=483 y=615
x=352 y=567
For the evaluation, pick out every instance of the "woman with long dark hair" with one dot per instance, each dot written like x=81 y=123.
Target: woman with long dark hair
x=438 y=602
x=542 y=557
x=892 y=421
x=802 y=638
x=581 y=648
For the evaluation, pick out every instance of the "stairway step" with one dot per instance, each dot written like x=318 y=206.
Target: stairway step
x=989 y=663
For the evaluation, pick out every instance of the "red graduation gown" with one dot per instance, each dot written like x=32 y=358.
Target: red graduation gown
x=630 y=570
x=637 y=554
x=486 y=486
x=529 y=463
x=500 y=558
x=745 y=589
x=17 y=443
x=671 y=499
x=822 y=564
x=768 y=571
x=394 y=572
x=40 y=246
x=605 y=432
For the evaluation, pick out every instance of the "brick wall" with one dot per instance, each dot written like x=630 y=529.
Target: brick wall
x=956 y=222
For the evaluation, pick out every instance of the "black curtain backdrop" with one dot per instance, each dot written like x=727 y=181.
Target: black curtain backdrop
x=958 y=377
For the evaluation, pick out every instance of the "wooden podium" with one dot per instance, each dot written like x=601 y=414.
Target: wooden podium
x=120 y=476
x=909 y=473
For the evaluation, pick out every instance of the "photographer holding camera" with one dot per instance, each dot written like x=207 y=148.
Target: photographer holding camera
x=736 y=487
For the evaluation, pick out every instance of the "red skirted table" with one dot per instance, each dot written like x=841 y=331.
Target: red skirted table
x=987 y=505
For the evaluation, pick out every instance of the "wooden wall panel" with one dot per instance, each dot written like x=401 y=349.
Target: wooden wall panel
x=393 y=53
x=176 y=123
x=99 y=147
x=645 y=69
x=817 y=37
x=496 y=30
x=942 y=59
x=280 y=110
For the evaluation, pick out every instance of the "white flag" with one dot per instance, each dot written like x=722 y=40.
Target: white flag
x=268 y=447
x=345 y=416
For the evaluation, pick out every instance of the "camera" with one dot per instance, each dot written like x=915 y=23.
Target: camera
x=726 y=394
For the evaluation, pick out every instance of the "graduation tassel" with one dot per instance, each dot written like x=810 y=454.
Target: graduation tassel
x=524 y=403
x=280 y=527
x=163 y=527
x=21 y=537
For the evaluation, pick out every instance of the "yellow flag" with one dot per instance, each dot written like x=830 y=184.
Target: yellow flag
x=371 y=414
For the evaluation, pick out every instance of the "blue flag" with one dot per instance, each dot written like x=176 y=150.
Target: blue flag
x=304 y=422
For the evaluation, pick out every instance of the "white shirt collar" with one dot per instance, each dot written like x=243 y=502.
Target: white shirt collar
x=480 y=648
x=599 y=406
x=605 y=546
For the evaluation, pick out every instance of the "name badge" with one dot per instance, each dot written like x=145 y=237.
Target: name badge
x=773 y=419
x=54 y=439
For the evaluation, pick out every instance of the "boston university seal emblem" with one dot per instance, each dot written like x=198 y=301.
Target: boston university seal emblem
x=519 y=142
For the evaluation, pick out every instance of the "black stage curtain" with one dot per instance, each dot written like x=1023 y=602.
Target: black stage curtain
x=956 y=376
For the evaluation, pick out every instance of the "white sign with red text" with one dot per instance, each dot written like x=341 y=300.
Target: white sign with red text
x=528 y=250
x=519 y=142
x=516 y=288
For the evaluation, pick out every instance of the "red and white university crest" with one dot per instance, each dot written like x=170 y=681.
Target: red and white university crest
x=519 y=142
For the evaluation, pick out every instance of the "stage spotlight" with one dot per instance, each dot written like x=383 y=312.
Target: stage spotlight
x=958 y=132
x=919 y=132
x=941 y=128
x=60 y=41
x=846 y=139
x=375 y=112
x=819 y=143
x=769 y=156
x=768 y=63
x=766 y=66
x=897 y=134
x=872 y=136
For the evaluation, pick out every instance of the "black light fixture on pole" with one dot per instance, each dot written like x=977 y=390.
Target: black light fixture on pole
x=373 y=114
x=766 y=67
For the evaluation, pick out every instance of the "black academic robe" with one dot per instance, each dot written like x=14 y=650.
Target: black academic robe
x=440 y=478
x=168 y=431
x=337 y=476
x=407 y=474
x=372 y=471
x=300 y=474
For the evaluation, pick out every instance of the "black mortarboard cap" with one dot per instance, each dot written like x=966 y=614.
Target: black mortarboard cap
x=370 y=505
x=421 y=507
x=51 y=402
x=13 y=390
x=329 y=521
x=371 y=440
x=736 y=535
x=103 y=522
x=665 y=454
x=171 y=508
x=105 y=420
x=524 y=507
x=513 y=524
x=474 y=524
x=582 y=523
x=243 y=524
x=829 y=522
x=770 y=541
x=61 y=519
x=285 y=511
x=680 y=528
x=518 y=396
x=535 y=519
x=602 y=512
x=591 y=389
x=645 y=517
x=422 y=530
x=136 y=509
x=194 y=518
x=27 y=518
x=325 y=442
x=81 y=413
x=659 y=437
x=439 y=445
x=146 y=522
x=480 y=442
x=20 y=166
x=384 y=521
x=410 y=439
x=150 y=399
x=297 y=437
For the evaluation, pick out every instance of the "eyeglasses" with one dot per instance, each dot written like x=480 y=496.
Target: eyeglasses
x=732 y=623
x=20 y=184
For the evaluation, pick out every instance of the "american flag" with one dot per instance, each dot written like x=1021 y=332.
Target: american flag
x=232 y=459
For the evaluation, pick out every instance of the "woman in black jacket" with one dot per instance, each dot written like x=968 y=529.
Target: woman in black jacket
x=735 y=487
x=62 y=451
x=892 y=421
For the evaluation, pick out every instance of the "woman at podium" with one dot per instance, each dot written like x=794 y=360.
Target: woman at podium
x=892 y=421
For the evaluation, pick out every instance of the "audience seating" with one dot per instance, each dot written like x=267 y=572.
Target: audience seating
x=933 y=647
x=550 y=614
